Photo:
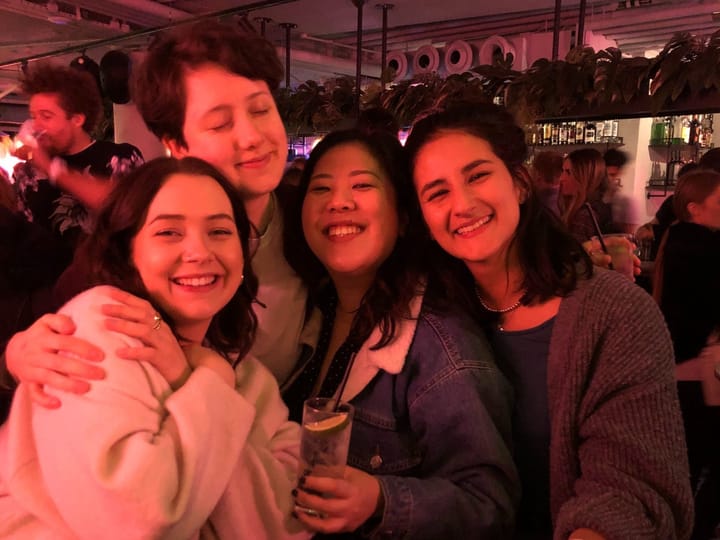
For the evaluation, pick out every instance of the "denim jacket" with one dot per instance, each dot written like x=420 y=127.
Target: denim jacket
x=432 y=423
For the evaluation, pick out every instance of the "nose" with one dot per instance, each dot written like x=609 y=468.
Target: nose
x=196 y=249
x=341 y=199
x=247 y=132
x=463 y=201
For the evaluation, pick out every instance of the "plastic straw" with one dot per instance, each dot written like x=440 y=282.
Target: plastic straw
x=344 y=381
x=596 y=226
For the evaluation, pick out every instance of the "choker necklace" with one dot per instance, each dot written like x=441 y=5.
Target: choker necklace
x=508 y=309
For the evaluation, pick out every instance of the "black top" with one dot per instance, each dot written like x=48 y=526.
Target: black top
x=522 y=356
x=302 y=387
x=58 y=211
x=690 y=297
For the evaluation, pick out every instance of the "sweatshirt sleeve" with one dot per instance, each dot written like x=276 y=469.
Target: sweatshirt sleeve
x=631 y=462
x=258 y=502
x=131 y=459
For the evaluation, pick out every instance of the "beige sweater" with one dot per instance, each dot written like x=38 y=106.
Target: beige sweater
x=131 y=459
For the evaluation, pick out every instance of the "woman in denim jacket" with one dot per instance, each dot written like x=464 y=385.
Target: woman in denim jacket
x=597 y=433
x=429 y=453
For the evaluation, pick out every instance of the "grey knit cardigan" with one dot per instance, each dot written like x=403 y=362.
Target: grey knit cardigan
x=618 y=462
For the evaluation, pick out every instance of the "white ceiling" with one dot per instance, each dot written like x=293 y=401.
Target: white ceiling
x=30 y=27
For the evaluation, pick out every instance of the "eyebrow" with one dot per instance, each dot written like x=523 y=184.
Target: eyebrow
x=358 y=172
x=222 y=106
x=466 y=169
x=181 y=217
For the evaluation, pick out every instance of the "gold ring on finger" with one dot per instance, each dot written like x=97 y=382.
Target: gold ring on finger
x=158 y=321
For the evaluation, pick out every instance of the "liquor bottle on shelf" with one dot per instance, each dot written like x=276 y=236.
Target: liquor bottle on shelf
x=706 y=131
x=669 y=129
x=685 y=129
x=694 y=134
x=607 y=129
x=547 y=133
x=580 y=133
x=615 y=128
x=563 y=133
x=554 y=134
x=572 y=128
x=589 y=133
x=599 y=130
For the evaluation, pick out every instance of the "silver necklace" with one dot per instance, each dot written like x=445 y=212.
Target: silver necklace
x=501 y=310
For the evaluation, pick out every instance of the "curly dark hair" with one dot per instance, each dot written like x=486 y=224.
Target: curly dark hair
x=158 y=83
x=77 y=91
x=107 y=253
x=550 y=258
x=386 y=302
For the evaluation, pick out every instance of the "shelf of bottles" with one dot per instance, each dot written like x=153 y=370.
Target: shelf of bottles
x=675 y=141
x=574 y=133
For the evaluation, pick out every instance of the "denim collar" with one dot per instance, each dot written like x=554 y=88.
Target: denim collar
x=390 y=358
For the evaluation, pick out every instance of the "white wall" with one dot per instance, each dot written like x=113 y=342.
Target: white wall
x=130 y=128
x=636 y=136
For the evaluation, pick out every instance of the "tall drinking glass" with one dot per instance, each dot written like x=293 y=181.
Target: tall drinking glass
x=325 y=437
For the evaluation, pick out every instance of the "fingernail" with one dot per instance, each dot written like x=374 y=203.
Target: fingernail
x=294 y=492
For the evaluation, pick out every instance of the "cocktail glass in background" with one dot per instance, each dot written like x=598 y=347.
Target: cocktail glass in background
x=622 y=249
x=325 y=437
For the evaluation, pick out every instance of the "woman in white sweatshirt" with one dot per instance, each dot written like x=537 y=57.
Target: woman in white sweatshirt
x=175 y=441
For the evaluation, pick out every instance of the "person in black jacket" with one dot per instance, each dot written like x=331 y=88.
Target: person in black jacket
x=687 y=287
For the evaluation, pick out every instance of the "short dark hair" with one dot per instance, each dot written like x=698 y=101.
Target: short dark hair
x=547 y=166
x=615 y=158
x=694 y=187
x=158 y=83
x=76 y=89
x=107 y=253
x=378 y=118
x=386 y=301
x=551 y=259
x=711 y=160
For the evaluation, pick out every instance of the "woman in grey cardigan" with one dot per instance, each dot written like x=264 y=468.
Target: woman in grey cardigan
x=599 y=446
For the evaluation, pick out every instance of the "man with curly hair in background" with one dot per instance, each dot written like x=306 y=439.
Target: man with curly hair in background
x=68 y=173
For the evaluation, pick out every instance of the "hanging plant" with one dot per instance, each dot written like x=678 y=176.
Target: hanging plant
x=619 y=79
x=688 y=66
x=671 y=69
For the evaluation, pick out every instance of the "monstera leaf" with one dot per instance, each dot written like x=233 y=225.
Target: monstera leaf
x=671 y=68
x=619 y=79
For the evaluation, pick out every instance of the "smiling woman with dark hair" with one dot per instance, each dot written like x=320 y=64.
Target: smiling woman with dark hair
x=175 y=440
x=428 y=453
x=598 y=436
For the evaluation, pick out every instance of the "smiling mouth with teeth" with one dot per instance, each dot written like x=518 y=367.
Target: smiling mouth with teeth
x=343 y=230
x=474 y=226
x=195 y=282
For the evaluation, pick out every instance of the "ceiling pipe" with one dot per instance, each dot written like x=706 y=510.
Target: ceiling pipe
x=333 y=43
x=358 y=72
x=288 y=27
x=383 y=55
x=541 y=16
x=581 y=25
x=147 y=32
x=556 y=29
x=263 y=24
